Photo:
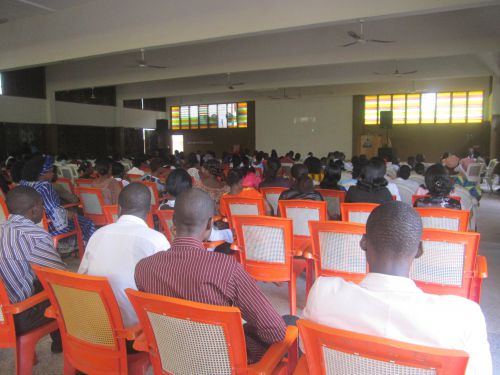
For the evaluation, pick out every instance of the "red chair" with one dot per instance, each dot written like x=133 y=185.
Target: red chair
x=271 y=194
x=165 y=217
x=84 y=182
x=155 y=194
x=357 y=212
x=111 y=213
x=66 y=184
x=234 y=205
x=444 y=218
x=415 y=197
x=333 y=198
x=90 y=323
x=302 y=212
x=265 y=245
x=4 y=212
x=184 y=337
x=336 y=250
x=93 y=204
x=77 y=232
x=334 y=351
x=24 y=345
x=450 y=264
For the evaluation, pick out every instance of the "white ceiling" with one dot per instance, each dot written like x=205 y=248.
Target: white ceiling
x=16 y=9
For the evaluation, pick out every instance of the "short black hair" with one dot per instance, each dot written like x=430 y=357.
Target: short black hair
x=373 y=174
x=438 y=181
x=22 y=198
x=193 y=209
x=419 y=169
x=135 y=198
x=234 y=176
x=178 y=181
x=117 y=169
x=404 y=172
x=102 y=166
x=155 y=164
x=396 y=228
x=32 y=168
x=299 y=170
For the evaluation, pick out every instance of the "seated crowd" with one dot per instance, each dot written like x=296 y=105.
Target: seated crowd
x=387 y=303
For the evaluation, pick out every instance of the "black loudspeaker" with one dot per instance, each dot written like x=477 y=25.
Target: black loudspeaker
x=386 y=153
x=161 y=125
x=386 y=119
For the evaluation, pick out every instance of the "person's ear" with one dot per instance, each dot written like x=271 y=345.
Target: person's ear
x=210 y=224
x=173 y=230
x=363 y=243
x=420 y=250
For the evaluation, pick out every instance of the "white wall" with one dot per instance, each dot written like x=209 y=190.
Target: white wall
x=22 y=110
x=319 y=125
x=84 y=114
x=134 y=118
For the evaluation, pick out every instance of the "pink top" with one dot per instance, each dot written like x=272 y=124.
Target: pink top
x=252 y=180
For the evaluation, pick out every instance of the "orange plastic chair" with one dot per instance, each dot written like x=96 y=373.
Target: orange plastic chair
x=234 y=205
x=331 y=351
x=134 y=177
x=272 y=194
x=4 y=212
x=265 y=245
x=302 y=212
x=357 y=212
x=155 y=194
x=450 y=264
x=90 y=323
x=333 y=198
x=444 y=218
x=415 y=197
x=24 y=345
x=111 y=213
x=336 y=250
x=165 y=217
x=93 y=204
x=184 y=337
x=84 y=182
x=66 y=183
x=77 y=232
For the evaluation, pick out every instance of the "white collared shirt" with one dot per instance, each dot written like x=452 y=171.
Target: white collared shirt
x=394 y=307
x=113 y=251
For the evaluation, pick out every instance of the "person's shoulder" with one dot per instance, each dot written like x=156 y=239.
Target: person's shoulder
x=332 y=285
x=456 y=305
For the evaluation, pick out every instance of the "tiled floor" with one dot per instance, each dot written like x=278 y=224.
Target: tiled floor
x=488 y=225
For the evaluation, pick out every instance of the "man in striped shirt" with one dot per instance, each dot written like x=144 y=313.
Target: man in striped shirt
x=190 y=272
x=23 y=243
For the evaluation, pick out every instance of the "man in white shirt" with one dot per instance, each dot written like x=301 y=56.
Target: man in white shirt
x=389 y=304
x=114 y=250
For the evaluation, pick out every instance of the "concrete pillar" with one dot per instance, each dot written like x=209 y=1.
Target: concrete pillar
x=495 y=117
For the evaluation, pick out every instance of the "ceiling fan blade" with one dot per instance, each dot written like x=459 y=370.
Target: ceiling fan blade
x=410 y=72
x=354 y=35
x=156 y=66
x=349 y=44
x=380 y=41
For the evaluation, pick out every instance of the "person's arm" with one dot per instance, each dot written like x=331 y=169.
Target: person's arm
x=476 y=344
x=115 y=189
x=54 y=211
x=42 y=251
x=268 y=208
x=261 y=317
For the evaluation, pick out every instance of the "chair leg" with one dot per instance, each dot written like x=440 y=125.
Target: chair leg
x=25 y=358
x=293 y=355
x=292 y=295
x=69 y=369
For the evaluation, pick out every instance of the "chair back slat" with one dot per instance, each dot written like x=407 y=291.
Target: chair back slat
x=334 y=351
x=165 y=217
x=153 y=189
x=333 y=198
x=111 y=213
x=272 y=195
x=234 y=205
x=302 y=212
x=357 y=212
x=444 y=218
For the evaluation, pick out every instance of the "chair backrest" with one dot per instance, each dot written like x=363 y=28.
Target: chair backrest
x=267 y=246
x=234 y=205
x=165 y=217
x=405 y=191
x=333 y=198
x=474 y=172
x=7 y=327
x=111 y=212
x=154 y=192
x=418 y=178
x=134 y=177
x=491 y=167
x=272 y=194
x=335 y=351
x=66 y=184
x=336 y=249
x=357 y=212
x=302 y=212
x=415 y=197
x=2 y=194
x=93 y=204
x=447 y=263
x=88 y=317
x=84 y=182
x=4 y=212
x=187 y=337
x=444 y=218
x=66 y=172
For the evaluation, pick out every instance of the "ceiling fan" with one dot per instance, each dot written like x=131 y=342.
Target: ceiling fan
x=396 y=73
x=142 y=63
x=229 y=84
x=92 y=95
x=359 y=38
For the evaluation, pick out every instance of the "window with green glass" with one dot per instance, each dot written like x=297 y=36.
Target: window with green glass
x=213 y=116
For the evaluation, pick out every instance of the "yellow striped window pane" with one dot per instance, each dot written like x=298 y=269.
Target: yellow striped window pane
x=443 y=107
x=475 y=107
x=413 y=109
x=242 y=115
x=458 y=107
x=384 y=104
x=371 y=110
x=399 y=109
x=184 y=117
x=175 y=117
x=428 y=108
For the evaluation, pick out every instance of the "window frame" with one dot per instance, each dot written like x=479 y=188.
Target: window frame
x=241 y=115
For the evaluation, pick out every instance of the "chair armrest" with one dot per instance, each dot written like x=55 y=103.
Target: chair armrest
x=50 y=312
x=212 y=244
x=275 y=353
x=236 y=247
x=140 y=343
x=69 y=205
x=481 y=270
x=130 y=332
x=302 y=368
x=27 y=304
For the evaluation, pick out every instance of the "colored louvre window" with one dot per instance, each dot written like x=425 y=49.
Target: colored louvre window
x=184 y=117
x=175 y=118
x=413 y=108
x=475 y=107
x=443 y=108
x=399 y=109
x=203 y=116
x=242 y=115
x=371 y=110
x=384 y=104
x=232 y=118
x=458 y=107
x=428 y=108
x=193 y=116
x=212 y=116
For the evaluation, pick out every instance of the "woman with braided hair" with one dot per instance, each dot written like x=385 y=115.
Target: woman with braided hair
x=211 y=181
x=439 y=185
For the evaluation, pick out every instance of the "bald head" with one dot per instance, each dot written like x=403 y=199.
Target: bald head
x=193 y=212
x=135 y=199
x=25 y=201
